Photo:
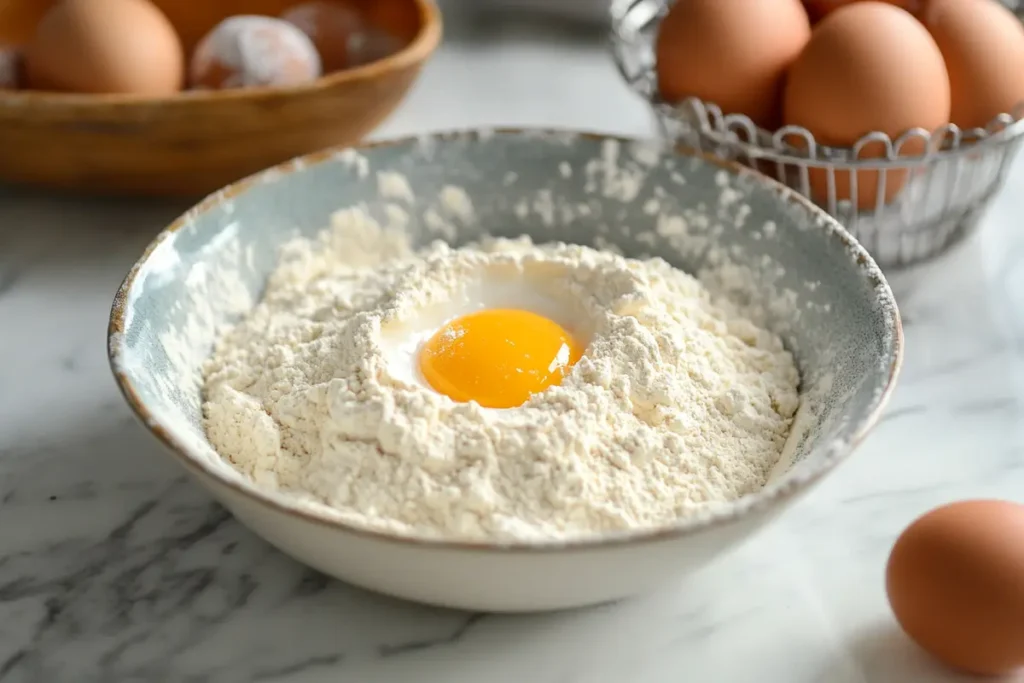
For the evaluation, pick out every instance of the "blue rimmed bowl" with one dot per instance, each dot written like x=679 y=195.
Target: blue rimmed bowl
x=808 y=279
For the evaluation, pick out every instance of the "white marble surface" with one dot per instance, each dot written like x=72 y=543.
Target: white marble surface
x=114 y=568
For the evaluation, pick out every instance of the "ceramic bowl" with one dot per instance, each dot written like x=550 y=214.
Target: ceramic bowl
x=194 y=142
x=811 y=281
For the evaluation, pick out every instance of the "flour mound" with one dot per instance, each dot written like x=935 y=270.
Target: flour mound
x=679 y=401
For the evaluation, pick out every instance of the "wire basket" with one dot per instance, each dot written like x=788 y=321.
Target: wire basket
x=910 y=207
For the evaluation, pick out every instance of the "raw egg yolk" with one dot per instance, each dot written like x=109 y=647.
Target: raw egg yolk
x=498 y=357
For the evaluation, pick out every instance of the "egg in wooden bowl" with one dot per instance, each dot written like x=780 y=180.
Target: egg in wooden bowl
x=91 y=108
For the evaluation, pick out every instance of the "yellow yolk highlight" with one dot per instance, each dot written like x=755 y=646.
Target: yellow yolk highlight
x=498 y=357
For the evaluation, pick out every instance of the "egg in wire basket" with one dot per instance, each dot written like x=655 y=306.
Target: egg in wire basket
x=949 y=180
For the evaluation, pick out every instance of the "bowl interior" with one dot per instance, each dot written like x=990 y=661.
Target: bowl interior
x=790 y=266
x=193 y=18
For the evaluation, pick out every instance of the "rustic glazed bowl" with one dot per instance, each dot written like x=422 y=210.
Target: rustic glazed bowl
x=811 y=281
x=194 y=142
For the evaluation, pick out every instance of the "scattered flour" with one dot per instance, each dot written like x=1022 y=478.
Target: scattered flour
x=615 y=180
x=456 y=202
x=392 y=185
x=679 y=402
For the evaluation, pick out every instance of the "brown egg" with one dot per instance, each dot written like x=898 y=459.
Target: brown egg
x=10 y=68
x=983 y=45
x=955 y=580
x=869 y=66
x=254 y=51
x=733 y=53
x=105 y=46
x=819 y=8
x=334 y=28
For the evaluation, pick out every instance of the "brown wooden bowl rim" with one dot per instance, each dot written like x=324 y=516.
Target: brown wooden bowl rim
x=417 y=51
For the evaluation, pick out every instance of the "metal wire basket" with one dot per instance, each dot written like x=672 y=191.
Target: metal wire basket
x=920 y=205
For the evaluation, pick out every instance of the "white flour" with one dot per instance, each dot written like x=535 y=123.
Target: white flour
x=678 y=403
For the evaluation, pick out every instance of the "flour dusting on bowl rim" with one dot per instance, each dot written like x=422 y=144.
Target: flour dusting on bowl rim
x=835 y=450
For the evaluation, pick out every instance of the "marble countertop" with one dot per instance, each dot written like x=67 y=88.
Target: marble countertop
x=114 y=567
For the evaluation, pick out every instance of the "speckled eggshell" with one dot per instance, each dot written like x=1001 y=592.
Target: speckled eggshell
x=254 y=51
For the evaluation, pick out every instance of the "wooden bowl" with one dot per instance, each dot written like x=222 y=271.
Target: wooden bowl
x=195 y=142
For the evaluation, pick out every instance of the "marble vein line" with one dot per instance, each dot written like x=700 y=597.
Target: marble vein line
x=907 y=411
x=112 y=566
x=990 y=351
x=989 y=405
x=450 y=639
x=304 y=666
x=14 y=267
x=9 y=276
x=892 y=493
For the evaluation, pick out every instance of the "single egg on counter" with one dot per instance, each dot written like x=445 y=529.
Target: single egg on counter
x=732 y=53
x=105 y=46
x=254 y=51
x=955 y=581
x=983 y=45
x=334 y=27
x=869 y=66
x=819 y=8
x=10 y=68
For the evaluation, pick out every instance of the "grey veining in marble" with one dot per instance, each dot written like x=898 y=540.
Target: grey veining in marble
x=115 y=568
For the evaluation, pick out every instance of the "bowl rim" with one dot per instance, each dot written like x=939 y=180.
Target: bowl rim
x=416 y=51
x=764 y=500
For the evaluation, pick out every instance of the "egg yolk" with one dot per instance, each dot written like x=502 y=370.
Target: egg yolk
x=498 y=357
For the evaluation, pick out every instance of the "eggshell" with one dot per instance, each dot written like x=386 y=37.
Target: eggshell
x=105 y=46
x=869 y=66
x=254 y=51
x=334 y=28
x=733 y=53
x=983 y=45
x=955 y=581
x=819 y=8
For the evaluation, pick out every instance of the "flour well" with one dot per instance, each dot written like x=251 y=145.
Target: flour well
x=678 y=403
